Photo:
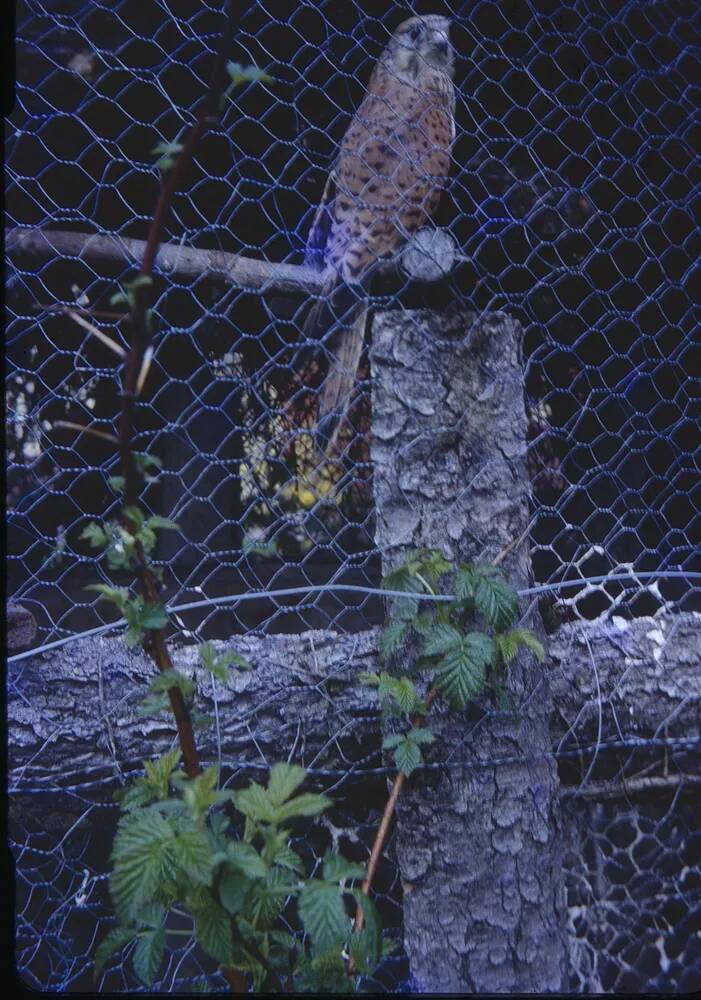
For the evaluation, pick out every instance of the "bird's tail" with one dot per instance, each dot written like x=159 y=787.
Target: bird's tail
x=334 y=333
x=338 y=390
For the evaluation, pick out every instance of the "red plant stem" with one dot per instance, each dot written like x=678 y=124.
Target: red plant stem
x=383 y=829
x=140 y=340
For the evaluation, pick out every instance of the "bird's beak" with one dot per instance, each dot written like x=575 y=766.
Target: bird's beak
x=440 y=45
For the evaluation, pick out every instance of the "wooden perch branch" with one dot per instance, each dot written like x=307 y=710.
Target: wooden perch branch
x=429 y=256
x=180 y=262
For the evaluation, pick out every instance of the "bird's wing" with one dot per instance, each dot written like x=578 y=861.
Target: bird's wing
x=315 y=250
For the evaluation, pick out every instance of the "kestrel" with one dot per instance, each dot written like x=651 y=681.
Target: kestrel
x=386 y=183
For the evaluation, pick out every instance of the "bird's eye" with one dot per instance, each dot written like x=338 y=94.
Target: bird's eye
x=415 y=33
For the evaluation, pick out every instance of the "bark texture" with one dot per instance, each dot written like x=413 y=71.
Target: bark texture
x=479 y=849
x=72 y=712
x=617 y=678
x=21 y=627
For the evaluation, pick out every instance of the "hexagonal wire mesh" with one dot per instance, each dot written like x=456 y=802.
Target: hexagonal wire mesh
x=571 y=201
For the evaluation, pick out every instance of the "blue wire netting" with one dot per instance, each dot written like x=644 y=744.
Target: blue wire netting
x=572 y=199
x=574 y=203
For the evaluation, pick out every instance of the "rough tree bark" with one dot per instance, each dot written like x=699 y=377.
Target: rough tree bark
x=478 y=845
x=72 y=711
x=479 y=849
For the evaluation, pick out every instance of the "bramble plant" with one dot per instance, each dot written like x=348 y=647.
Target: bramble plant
x=214 y=865
x=441 y=639
x=176 y=856
x=176 y=853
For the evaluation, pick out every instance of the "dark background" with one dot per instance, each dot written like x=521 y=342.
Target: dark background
x=574 y=197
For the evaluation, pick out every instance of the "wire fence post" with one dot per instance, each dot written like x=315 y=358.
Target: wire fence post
x=479 y=850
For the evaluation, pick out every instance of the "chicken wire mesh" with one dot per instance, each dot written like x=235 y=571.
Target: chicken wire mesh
x=572 y=202
x=571 y=198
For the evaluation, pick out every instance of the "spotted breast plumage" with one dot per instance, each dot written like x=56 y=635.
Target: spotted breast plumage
x=386 y=184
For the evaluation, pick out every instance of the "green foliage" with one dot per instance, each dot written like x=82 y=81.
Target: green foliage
x=128 y=292
x=118 y=541
x=145 y=465
x=116 y=483
x=218 y=663
x=168 y=154
x=149 y=954
x=407 y=748
x=253 y=546
x=445 y=639
x=509 y=643
x=174 y=848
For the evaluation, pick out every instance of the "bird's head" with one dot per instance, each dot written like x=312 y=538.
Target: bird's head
x=421 y=44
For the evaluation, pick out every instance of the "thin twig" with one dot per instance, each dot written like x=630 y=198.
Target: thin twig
x=71 y=426
x=61 y=307
x=91 y=328
x=634 y=786
x=136 y=368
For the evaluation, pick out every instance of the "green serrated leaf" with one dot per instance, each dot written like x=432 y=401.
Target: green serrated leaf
x=143 y=858
x=218 y=663
x=134 y=515
x=152 y=705
x=213 y=931
x=148 y=955
x=154 y=784
x=133 y=636
x=168 y=679
x=423 y=622
x=461 y=672
x=404 y=609
x=116 y=483
x=113 y=941
x=193 y=853
x=207 y=654
x=323 y=915
x=404 y=693
x=366 y=945
x=366 y=677
x=285 y=857
x=155 y=521
x=254 y=802
x=95 y=535
x=151 y=915
x=464 y=583
x=145 y=462
x=200 y=794
x=153 y=616
x=421 y=735
x=284 y=780
x=495 y=600
x=407 y=756
x=509 y=643
x=117 y=595
x=400 y=578
x=430 y=564
x=267 y=897
x=234 y=888
x=308 y=804
x=246 y=859
x=391 y=638
x=246 y=74
x=339 y=869
x=169 y=152
x=441 y=639
x=392 y=741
